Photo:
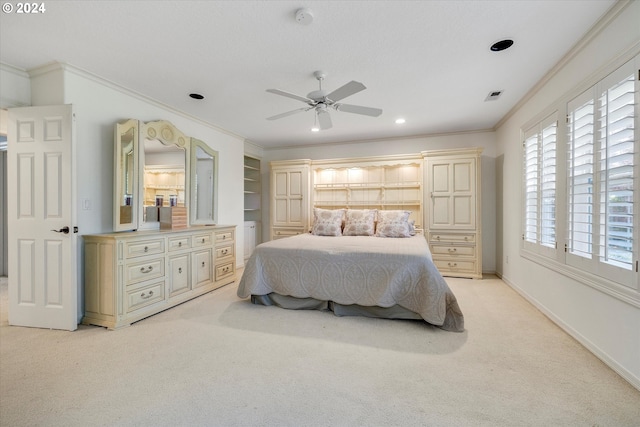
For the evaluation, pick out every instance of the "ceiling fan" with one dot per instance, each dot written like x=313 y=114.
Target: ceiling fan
x=321 y=102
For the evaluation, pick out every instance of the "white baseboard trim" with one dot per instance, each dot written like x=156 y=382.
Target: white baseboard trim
x=599 y=353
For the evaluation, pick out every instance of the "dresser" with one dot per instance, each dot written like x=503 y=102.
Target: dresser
x=133 y=275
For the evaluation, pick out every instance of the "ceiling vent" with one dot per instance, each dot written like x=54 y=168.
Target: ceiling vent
x=493 y=95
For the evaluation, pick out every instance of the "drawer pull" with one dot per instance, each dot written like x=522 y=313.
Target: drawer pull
x=225 y=251
x=179 y=244
x=143 y=296
x=146 y=248
x=452 y=265
x=148 y=270
x=452 y=250
x=203 y=240
x=224 y=237
x=179 y=270
x=203 y=263
x=466 y=238
x=437 y=237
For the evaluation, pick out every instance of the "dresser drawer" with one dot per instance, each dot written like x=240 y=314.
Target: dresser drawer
x=147 y=270
x=225 y=270
x=202 y=240
x=279 y=233
x=224 y=236
x=454 y=251
x=224 y=252
x=179 y=243
x=455 y=266
x=140 y=298
x=144 y=247
x=452 y=237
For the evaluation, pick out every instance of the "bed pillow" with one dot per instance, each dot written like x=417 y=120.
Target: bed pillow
x=393 y=224
x=359 y=222
x=327 y=222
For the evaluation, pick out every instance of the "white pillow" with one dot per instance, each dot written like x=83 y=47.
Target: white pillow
x=360 y=222
x=327 y=222
x=393 y=224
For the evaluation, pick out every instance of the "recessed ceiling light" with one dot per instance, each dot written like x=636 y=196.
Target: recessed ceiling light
x=196 y=96
x=501 y=45
x=400 y=121
x=315 y=129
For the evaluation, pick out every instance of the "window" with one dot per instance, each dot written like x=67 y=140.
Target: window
x=596 y=151
x=601 y=173
x=540 y=146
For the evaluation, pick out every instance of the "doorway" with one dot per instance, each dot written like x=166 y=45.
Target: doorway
x=4 y=262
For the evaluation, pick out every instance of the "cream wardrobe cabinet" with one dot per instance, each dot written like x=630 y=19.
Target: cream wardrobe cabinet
x=130 y=276
x=289 y=198
x=453 y=208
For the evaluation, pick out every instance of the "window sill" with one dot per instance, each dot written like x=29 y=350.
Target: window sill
x=620 y=292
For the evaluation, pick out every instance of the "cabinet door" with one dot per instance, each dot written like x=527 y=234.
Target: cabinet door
x=290 y=192
x=250 y=232
x=202 y=268
x=452 y=193
x=179 y=275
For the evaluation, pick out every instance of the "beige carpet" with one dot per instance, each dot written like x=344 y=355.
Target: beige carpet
x=220 y=361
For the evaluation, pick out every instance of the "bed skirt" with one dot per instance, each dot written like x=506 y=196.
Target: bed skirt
x=292 y=303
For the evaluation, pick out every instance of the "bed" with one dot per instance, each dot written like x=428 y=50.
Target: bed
x=352 y=275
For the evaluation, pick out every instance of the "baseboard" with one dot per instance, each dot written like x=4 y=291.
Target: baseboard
x=599 y=353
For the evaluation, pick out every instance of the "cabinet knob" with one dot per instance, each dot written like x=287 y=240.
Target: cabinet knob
x=180 y=270
x=147 y=270
x=179 y=244
x=203 y=263
x=146 y=296
x=203 y=240
x=146 y=248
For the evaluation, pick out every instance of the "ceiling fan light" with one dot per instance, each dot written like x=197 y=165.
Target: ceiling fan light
x=315 y=129
x=400 y=121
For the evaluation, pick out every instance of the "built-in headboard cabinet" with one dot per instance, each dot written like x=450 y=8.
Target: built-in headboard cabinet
x=440 y=188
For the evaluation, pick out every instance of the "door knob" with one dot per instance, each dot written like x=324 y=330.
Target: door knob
x=64 y=230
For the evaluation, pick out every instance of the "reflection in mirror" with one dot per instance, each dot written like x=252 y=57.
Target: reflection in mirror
x=126 y=175
x=204 y=181
x=164 y=178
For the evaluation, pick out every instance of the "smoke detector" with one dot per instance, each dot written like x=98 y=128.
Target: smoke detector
x=304 y=16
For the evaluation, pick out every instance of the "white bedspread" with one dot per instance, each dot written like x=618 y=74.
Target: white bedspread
x=368 y=271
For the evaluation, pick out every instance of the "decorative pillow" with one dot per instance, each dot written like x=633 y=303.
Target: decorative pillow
x=327 y=222
x=393 y=224
x=360 y=222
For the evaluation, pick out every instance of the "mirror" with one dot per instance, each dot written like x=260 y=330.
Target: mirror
x=165 y=176
x=204 y=182
x=126 y=177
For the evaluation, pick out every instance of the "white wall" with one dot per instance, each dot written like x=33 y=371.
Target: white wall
x=414 y=145
x=98 y=105
x=15 y=87
x=607 y=326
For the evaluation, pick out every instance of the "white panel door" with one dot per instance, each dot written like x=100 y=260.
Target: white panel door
x=43 y=290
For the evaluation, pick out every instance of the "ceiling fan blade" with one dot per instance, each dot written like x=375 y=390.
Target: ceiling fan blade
x=291 y=95
x=288 y=113
x=324 y=119
x=346 y=90
x=357 y=109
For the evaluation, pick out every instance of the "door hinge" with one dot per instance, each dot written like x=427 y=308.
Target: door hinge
x=636 y=266
x=565 y=247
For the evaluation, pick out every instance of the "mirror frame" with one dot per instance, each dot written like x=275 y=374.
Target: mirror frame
x=122 y=128
x=165 y=132
x=193 y=213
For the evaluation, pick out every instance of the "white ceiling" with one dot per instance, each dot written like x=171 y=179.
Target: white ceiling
x=426 y=61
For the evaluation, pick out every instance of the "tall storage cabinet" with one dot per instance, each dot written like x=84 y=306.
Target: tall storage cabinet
x=453 y=207
x=289 y=198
